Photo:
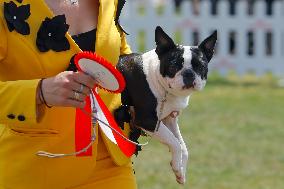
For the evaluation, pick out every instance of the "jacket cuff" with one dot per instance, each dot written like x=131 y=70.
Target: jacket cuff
x=18 y=101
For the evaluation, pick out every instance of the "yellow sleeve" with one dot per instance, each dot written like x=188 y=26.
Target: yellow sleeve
x=3 y=41
x=18 y=101
x=125 y=48
x=17 y=98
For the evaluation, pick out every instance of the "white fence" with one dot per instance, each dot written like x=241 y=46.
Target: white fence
x=246 y=43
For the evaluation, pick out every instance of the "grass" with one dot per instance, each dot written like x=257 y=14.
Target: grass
x=235 y=131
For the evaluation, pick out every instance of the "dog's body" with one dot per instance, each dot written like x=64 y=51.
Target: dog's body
x=158 y=86
x=145 y=90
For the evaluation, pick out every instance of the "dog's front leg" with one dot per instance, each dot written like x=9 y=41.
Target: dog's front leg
x=165 y=136
x=172 y=124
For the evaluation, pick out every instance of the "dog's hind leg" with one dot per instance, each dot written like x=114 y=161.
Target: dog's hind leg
x=172 y=124
x=165 y=136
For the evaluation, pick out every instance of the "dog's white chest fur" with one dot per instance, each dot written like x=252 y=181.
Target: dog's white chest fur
x=174 y=102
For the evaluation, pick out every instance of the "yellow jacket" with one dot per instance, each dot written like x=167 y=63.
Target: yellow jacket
x=21 y=135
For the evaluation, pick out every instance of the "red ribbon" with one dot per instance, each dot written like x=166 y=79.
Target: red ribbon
x=83 y=129
x=125 y=146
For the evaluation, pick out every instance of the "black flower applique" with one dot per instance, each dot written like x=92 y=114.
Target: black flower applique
x=52 y=34
x=15 y=17
x=20 y=1
x=118 y=12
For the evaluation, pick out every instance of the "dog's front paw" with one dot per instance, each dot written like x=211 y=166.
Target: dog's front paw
x=181 y=180
x=180 y=175
x=179 y=168
x=179 y=172
x=185 y=155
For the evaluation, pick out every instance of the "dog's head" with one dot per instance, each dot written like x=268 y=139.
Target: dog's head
x=184 y=68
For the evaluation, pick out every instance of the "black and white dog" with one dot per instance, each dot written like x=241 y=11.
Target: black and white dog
x=158 y=86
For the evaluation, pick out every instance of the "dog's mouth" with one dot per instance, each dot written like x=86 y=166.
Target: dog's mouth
x=186 y=87
x=189 y=86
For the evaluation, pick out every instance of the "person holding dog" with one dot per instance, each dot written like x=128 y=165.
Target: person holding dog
x=38 y=97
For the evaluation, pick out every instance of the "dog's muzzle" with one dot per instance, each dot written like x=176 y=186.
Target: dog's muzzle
x=188 y=79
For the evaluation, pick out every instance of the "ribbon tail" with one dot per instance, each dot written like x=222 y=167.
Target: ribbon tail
x=105 y=129
x=126 y=147
x=83 y=129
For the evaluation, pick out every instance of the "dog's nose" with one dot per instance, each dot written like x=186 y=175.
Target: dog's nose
x=188 y=78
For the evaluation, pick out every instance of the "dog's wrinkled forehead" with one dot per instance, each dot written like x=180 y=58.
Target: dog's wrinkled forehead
x=187 y=56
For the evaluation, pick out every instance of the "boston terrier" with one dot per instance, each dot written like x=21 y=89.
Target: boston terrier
x=158 y=86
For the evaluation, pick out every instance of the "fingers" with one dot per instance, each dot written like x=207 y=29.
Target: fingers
x=72 y=103
x=84 y=79
x=68 y=89
x=67 y=98
x=69 y=93
x=74 y=95
x=78 y=87
x=75 y=103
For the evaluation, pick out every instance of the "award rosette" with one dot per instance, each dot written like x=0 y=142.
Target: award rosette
x=111 y=80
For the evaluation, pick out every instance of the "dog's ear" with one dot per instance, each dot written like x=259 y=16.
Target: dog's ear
x=163 y=41
x=207 y=46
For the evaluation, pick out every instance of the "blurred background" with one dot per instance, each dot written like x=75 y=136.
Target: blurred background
x=234 y=128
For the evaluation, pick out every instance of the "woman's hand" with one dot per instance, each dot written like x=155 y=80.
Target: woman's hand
x=67 y=89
